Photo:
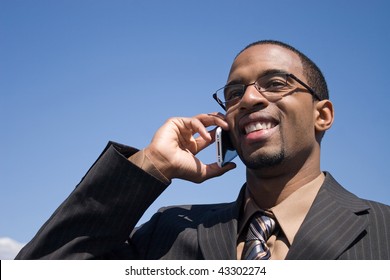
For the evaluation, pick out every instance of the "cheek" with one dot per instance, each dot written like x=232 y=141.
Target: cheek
x=297 y=121
x=298 y=130
x=233 y=129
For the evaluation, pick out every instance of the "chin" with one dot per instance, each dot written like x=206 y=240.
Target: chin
x=261 y=161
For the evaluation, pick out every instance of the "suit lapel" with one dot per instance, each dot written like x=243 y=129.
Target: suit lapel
x=331 y=225
x=218 y=232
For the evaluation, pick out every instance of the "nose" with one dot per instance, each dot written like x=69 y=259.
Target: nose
x=252 y=98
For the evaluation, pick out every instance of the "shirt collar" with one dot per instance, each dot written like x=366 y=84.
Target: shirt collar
x=290 y=213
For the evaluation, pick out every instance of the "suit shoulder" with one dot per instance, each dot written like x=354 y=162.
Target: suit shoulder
x=378 y=208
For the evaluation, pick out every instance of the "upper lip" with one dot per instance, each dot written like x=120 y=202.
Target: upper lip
x=256 y=118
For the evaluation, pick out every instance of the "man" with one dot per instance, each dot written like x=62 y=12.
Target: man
x=277 y=111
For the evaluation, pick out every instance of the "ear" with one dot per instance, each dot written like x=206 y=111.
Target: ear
x=323 y=116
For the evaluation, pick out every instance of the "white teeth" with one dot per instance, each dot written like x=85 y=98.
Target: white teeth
x=257 y=126
x=253 y=127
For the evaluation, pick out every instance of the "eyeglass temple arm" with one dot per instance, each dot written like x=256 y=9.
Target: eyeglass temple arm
x=219 y=101
x=305 y=85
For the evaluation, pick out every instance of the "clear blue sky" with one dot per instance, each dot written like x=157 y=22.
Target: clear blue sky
x=75 y=74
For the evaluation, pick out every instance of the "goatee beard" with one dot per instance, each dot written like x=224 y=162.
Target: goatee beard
x=264 y=161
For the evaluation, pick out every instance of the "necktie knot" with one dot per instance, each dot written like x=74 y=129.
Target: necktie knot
x=260 y=229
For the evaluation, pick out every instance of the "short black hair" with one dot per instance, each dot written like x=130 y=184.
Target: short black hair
x=312 y=72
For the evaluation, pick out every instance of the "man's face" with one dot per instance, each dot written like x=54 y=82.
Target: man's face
x=265 y=133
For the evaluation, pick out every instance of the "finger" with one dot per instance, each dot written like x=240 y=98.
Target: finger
x=200 y=127
x=213 y=119
x=218 y=115
x=213 y=170
x=193 y=126
x=187 y=127
x=199 y=123
x=206 y=137
x=202 y=143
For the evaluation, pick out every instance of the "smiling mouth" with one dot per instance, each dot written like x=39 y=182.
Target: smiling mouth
x=257 y=126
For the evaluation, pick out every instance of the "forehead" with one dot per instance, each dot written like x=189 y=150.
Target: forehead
x=255 y=60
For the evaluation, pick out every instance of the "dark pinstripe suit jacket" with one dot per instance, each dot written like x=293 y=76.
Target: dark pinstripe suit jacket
x=95 y=221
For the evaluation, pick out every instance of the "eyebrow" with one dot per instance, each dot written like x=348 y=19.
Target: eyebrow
x=264 y=73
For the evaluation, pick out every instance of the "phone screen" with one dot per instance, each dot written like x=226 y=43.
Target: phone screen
x=225 y=149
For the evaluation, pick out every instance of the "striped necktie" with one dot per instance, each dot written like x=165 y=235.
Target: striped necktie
x=260 y=229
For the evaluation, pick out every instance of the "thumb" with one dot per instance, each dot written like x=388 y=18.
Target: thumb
x=213 y=170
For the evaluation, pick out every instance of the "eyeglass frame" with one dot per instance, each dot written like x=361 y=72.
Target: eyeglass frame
x=311 y=91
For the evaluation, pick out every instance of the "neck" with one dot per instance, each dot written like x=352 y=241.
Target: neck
x=268 y=187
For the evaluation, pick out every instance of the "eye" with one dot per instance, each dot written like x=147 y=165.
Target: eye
x=233 y=92
x=275 y=84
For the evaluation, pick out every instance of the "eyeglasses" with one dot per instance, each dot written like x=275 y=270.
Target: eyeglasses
x=273 y=86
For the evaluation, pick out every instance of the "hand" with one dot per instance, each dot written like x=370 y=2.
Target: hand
x=173 y=148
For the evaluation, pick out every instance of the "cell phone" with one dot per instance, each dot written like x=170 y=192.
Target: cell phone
x=225 y=150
